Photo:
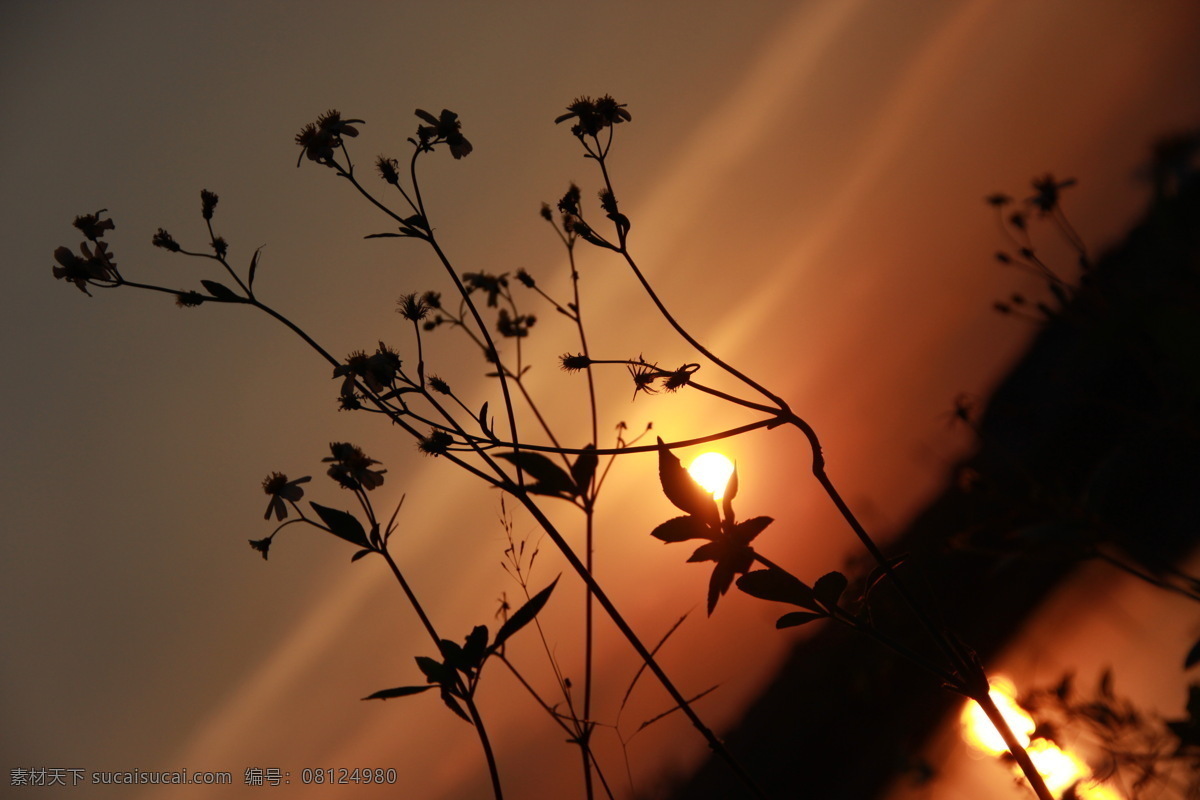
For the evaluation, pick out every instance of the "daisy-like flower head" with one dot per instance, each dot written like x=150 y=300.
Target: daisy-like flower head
x=594 y=115
x=351 y=467
x=94 y=265
x=91 y=226
x=318 y=140
x=443 y=128
x=332 y=122
x=436 y=443
x=413 y=307
x=282 y=491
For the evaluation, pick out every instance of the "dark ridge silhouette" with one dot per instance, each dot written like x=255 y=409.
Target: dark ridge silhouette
x=1090 y=448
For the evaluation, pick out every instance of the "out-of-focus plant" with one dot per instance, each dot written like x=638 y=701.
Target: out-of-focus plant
x=1139 y=753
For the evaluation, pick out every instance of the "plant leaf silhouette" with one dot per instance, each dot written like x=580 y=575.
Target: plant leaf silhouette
x=253 y=269
x=220 y=291
x=482 y=419
x=523 y=616
x=1193 y=656
x=829 y=588
x=551 y=479
x=680 y=529
x=779 y=586
x=343 y=524
x=475 y=648
x=681 y=490
x=583 y=469
x=731 y=490
x=399 y=691
x=452 y=704
x=793 y=619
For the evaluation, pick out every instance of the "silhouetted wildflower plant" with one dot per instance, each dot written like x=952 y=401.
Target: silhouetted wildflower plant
x=529 y=468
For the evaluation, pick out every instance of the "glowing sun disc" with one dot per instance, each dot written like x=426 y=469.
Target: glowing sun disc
x=712 y=471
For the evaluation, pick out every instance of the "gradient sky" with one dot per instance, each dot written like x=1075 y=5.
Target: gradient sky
x=805 y=181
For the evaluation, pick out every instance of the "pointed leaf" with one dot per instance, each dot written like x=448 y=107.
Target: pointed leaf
x=452 y=654
x=794 y=618
x=453 y=705
x=779 y=586
x=435 y=671
x=475 y=647
x=523 y=615
x=681 y=490
x=731 y=490
x=719 y=583
x=359 y=555
x=253 y=268
x=1193 y=656
x=828 y=589
x=707 y=552
x=745 y=532
x=220 y=291
x=551 y=478
x=343 y=524
x=583 y=469
x=680 y=529
x=483 y=421
x=384 y=236
x=399 y=691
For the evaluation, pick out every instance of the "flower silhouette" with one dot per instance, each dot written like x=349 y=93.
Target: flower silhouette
x=444 y=128
x=351 y=468
x=594 y=115
x=282 y=491
x=729 y=540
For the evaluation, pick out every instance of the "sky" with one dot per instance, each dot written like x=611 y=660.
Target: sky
x=805 y=181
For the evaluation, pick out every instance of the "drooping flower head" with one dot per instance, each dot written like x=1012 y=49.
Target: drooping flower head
x=92 y=227
x=282 y=491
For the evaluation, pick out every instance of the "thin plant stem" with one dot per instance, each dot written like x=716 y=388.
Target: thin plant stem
x=467 y=693
x=619 y=621
x=818 y=467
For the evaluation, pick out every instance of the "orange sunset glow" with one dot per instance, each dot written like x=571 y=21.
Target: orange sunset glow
x=1061 y=769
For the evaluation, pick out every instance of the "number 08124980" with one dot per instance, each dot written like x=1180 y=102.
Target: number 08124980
x=345 y=775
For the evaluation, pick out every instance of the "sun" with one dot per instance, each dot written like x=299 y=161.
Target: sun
x=712 y=471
